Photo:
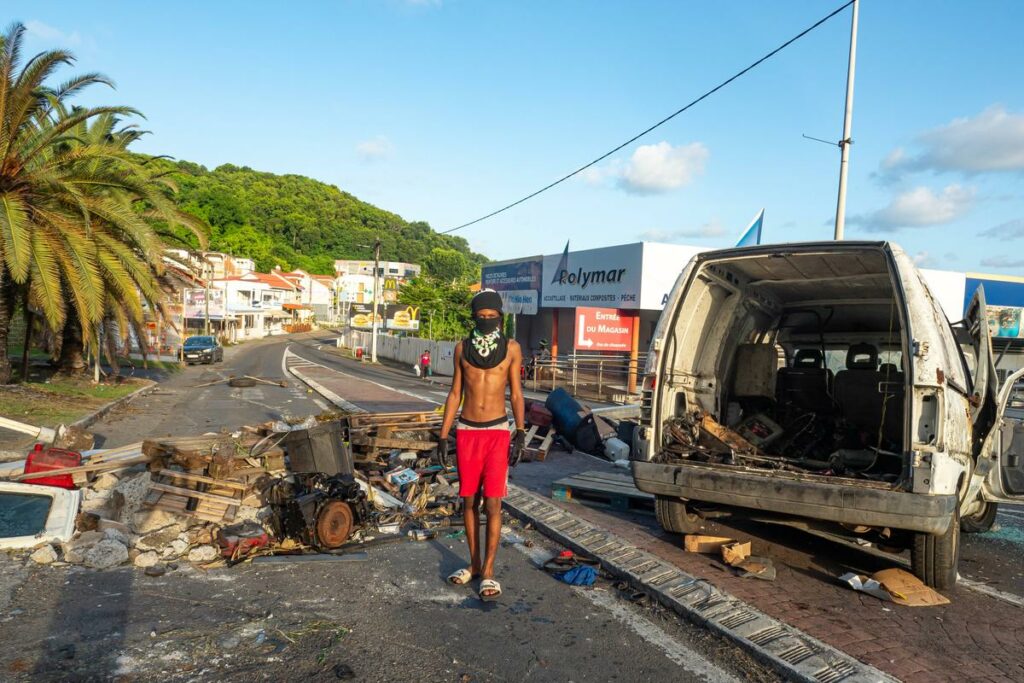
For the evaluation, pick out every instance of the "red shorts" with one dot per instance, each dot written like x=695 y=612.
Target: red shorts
x=482 y=456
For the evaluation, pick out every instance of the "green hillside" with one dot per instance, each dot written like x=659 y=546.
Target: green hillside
x=297 y=222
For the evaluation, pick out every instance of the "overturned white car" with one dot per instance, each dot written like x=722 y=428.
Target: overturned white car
x=822 y=381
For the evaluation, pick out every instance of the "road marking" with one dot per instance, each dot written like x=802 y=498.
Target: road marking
x=689 y=659
x=295 y=390
x=324 y=391
x=363 y=379
x=1018 y=514
x=990 y=591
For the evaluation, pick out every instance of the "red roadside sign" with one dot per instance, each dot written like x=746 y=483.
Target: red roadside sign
x=603 y=329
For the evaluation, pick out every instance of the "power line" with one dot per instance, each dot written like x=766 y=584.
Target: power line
x=665 y=120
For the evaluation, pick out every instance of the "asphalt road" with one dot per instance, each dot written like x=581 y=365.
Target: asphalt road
x=389 y=618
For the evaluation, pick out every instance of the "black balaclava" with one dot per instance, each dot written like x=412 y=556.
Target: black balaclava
x=485 y=347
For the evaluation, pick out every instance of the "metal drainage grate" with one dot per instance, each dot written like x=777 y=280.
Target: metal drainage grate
x=791 y=651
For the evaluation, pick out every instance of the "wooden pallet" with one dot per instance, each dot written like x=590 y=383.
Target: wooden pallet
x=537 y=446
x=608 y=489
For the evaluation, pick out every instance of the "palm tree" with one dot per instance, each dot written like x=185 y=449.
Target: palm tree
x=130 y=246
x=77 y=214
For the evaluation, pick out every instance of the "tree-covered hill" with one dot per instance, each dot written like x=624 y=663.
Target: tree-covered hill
x=297 y=222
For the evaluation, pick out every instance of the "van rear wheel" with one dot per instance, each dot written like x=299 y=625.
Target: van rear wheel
x=980 y=521
x=673 y=516
x=934 y=558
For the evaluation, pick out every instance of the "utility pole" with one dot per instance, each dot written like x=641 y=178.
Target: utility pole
x=845 y=143
x=376 y=294
x=208 y=271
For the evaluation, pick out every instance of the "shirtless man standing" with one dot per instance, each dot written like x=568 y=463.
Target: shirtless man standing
x=485 y=364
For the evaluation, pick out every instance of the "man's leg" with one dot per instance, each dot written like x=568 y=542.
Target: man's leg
x=471 y=517
x=493 y=508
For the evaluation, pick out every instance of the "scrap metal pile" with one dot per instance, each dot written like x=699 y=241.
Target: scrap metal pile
x=758 y=441
x=324 y=485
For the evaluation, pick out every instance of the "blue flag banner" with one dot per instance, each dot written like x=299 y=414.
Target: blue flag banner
x=752 y=235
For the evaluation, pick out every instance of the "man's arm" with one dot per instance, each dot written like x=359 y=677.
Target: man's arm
x=515 y=384
x=451 y=404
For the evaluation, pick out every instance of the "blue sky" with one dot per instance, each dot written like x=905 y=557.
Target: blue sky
x=445 y=110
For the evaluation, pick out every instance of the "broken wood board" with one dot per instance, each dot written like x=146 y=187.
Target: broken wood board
x=710 y=428
x=699 y=543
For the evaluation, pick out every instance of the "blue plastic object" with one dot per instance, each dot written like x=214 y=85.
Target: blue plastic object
x=565 y=411
x=578 y=576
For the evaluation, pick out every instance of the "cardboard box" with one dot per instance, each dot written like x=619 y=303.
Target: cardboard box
x=698 y=543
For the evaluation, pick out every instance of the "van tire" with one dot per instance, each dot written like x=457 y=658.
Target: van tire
x=934 y=558
x=980 y=521
x=674 y=517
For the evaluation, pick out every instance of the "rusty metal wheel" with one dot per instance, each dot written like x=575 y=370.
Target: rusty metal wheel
x=333 y=524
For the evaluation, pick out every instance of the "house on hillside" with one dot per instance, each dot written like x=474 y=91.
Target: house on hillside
x=317 y=293
x=278 y=299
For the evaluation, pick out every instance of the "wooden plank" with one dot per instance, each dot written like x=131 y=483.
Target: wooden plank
x=402 y=444
x=189 y=513
x=192 y=494
x=600 y=485
x=95 y=467
x=200 y=478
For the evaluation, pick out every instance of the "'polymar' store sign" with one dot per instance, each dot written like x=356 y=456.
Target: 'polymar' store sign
x=608 y=277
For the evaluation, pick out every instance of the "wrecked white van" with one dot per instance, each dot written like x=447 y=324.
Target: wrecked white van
x=823 y=382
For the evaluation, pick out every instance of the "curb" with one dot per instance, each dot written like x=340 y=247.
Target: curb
x=790 y=651
x=95 y=417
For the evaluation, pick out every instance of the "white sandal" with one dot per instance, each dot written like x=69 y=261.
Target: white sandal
x=460 y=577
x=490 y=585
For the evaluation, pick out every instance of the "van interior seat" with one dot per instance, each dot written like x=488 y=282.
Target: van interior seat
x=807 y=383
x=857 y=389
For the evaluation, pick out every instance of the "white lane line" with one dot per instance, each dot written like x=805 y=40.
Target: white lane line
x=284 y=373
x=1011 y=513
x=990 y=591
x=677 y=652
x=382 y=386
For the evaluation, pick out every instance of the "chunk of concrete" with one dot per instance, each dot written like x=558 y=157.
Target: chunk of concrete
x=203 y=553
x=106 y=554
x=129 y=494
x=149 y=519
x=158 y=540
x=44 y=555
x=175 y=548
x=147 y=559
x=105 y=482
x=121 y=537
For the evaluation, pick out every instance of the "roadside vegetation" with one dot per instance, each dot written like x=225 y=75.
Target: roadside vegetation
x=83 y=222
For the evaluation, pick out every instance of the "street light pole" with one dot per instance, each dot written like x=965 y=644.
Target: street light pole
x=376 y=294
x=208 y=272
x=845 y=143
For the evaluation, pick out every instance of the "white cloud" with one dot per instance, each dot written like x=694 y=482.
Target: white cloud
x=375 y=149
x=918 y=208
x=989 y=142
x=51 y=34
x=652 y=169
x=659 y=168
x=924 y=259
x=710 y=229
x=1002 y=262
x=1009 y=229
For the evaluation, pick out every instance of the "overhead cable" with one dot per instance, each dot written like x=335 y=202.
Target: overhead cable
x=660 y=123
